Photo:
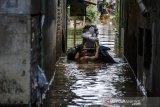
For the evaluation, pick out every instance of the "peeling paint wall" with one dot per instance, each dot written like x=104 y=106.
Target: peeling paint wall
x=14 y=59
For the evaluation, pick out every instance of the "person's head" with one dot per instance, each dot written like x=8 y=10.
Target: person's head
x=95 y=29
x=71 y=53
x=91 y=29
x=86 y=28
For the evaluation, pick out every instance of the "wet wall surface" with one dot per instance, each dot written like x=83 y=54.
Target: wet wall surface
x=20 y=6
x=92 y=84
x=14 y=59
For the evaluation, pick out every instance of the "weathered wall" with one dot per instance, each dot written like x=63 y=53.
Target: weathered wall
x=59 y=18
x=142 y=43
x=155 y=64
x=20 y=47
x=54 y=30
x=155 y=49
x=64 y=26
x=148 y=57
x=14 y=59
x=15 y=6
x=15 y=49
x=20 y=6
x=50 y=37
x=130 y=26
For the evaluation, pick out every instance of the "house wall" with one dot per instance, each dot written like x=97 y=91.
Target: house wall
x=26 y=42
x=141 y=46
x=54 y=31
x=15 y=54
x=20 y=6
x=130 y=26
x=15 y=59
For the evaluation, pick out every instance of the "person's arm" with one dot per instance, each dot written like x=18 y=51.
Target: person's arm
x=91 y=58
x=77 y=56
x=96 y=54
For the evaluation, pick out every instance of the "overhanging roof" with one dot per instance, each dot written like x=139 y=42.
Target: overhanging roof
x=94 y=2
x=91 y=1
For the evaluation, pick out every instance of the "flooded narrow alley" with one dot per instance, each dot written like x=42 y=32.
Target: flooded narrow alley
x=91 y=84
x=80 y=53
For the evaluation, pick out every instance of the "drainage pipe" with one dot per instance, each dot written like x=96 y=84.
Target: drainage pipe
x=143 y=8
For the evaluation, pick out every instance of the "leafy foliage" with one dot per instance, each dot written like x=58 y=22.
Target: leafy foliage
x=91 y=11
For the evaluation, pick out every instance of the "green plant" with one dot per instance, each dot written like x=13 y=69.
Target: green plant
x=117 y=14
x=91 y=13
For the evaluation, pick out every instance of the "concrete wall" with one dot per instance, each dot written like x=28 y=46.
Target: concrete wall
x=129 y=23
x=64 y=26
x=14 y=59
x=54 y=30
x=59 y=23
x=20 y=6
x=20 y=47
x=155 y=58
x=155 y=66
x=50 y=37
x=15 y=49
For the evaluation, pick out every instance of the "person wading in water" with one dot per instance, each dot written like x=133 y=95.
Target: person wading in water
x=90 y=49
